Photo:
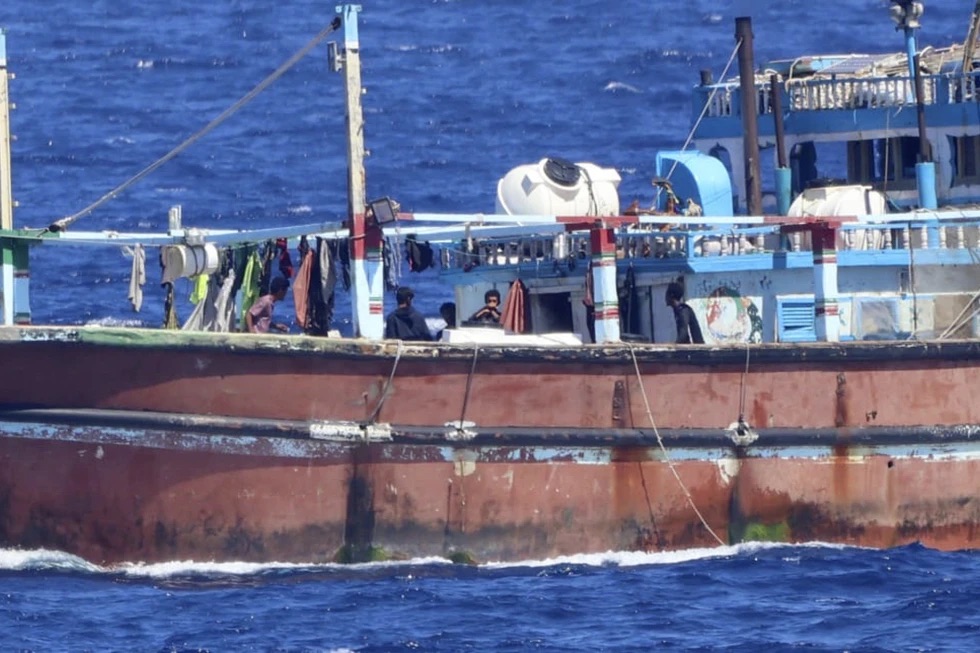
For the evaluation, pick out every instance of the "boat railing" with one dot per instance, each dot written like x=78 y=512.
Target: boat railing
x=556 y=250
x=820 y=93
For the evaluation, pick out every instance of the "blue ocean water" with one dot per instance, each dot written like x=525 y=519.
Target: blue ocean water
x=458 y=92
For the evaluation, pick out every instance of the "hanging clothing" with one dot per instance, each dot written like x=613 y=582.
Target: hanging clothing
x=169 y=311
x=323 y=283
x=268 y=256
x=388 y=257
x=301 y=288
x=629 y=304
x=589 y=301
x=515 y=316
x=200 y=290
x=251 y=284
x=282 y=256
x=137 y=276
x=340 y=252
x=216 y=309
x=420 y=255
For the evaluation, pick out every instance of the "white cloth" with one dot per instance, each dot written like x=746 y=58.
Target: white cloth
x=137 y=276
x=216 y=310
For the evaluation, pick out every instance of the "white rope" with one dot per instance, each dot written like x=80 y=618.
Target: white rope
x=704 y=110
x=387 y=388
x=663 y=449
x=63 y=223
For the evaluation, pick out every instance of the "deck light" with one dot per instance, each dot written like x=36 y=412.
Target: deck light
x=906 y=13
x=384 y=210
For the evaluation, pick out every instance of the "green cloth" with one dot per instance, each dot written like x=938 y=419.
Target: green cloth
x=250 y=286
x=200 y=288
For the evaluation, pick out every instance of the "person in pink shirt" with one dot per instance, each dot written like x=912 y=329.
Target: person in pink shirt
x=258 y=318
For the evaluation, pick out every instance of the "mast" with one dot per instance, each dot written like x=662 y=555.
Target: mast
x=906 y=15
x=8 y=251
x=750 y=115
x=367 y=281
x=6 y=193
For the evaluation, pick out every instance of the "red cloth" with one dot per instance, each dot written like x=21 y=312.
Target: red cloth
x=301 y=289
x=515 y=319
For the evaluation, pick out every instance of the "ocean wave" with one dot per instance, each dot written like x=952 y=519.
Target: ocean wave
x=616 y=87
x=48 y=560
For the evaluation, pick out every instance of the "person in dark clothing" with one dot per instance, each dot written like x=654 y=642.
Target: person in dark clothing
x=406 y=323
x=688 y=329
x=448 y=313
x=490 y=313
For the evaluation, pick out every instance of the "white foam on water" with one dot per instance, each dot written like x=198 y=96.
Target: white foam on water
x=177 y=568
x=637 y=558
x=45 y=559
x=620 y=86
x=18 y=559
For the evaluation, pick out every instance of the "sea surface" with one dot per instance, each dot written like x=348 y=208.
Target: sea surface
x=457 y=93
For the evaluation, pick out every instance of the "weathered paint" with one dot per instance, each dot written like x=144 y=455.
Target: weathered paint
x=214 y=496
x=168 y=452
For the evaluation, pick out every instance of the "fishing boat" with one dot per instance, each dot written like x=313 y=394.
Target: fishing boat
x=831 y=400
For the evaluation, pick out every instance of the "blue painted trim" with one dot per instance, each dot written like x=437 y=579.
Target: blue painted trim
x=349 y=14
x=925 y=177
x=898 y=258
x=3 y=48
x=910 y=50
x=784 y=190
x=849 y=121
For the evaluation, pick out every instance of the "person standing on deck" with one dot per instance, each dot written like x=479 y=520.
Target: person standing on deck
x=405 y=322
x=258 y=318
x=688 y=329
x=490 y=313
x=448 y=313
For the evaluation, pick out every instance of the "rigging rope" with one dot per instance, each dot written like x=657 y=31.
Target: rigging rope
x=741 y=399
x=663 y=449
x=65 y=222
x=387 y=388
x=704 y=110
x=469 y=383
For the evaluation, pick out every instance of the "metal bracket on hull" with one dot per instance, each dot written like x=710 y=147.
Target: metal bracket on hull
x=460 y=430
x=741 y=433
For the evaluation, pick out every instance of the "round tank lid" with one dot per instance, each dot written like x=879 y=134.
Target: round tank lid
x=562 y=172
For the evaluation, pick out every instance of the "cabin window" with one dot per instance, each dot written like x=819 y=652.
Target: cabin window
x=967 y=163
x=880 y=161
x=803 y=162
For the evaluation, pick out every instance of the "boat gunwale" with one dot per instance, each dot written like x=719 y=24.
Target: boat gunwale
x=956 y=351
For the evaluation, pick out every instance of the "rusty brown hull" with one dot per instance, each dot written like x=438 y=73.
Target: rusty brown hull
x=121 y=445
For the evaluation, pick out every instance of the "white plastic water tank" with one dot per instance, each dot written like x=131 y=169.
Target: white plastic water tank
x=558 y=187
x=851 y=200
x=826 y=201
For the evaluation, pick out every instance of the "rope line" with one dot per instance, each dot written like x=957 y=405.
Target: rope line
x=388 y=384
x=741 y=400
x=646 y=497
x=65 y=222
x=469 y=384
x=704 y=109
x=663 y=449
